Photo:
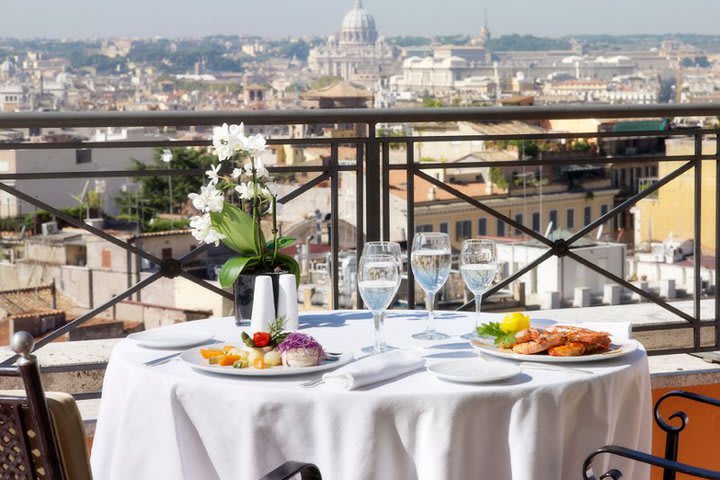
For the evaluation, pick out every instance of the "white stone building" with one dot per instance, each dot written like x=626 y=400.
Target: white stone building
x=358 y=53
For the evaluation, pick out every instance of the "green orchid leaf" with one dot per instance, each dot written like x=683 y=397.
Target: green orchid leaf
x=238 y=228
x=232 y=268
x=282 y=242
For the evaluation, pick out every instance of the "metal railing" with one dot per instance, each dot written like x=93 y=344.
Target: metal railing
x=372 y=168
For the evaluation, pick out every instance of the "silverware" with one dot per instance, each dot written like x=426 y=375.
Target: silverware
x=166 y=359
x=312 y=383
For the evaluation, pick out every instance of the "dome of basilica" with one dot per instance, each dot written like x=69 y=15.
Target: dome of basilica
x=358 y=26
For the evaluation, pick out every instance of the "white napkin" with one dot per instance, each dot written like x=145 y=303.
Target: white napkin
x=375 y=368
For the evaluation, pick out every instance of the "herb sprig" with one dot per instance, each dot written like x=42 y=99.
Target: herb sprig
x=492 y=329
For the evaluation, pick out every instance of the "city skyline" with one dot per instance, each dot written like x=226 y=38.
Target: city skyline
x=281 y=18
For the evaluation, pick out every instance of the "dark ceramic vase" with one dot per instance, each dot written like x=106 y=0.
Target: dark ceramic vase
x=244 y=291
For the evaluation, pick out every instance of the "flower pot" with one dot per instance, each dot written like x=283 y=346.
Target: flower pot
x=244 y=291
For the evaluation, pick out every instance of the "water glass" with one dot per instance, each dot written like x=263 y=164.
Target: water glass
x=478 y=267
x=430 y=260
x=378 y=282
x=384 y=248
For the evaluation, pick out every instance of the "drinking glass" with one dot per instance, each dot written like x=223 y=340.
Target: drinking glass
x=430 y=260
x=384 y=248
x=478 y=266
x=378 y=282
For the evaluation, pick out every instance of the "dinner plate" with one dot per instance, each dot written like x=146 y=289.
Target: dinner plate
x=473 y=370
x=617 y=350
x=196 y=361
x=162 y=338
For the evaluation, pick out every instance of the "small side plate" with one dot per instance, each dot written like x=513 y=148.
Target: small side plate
x=162 y=338
x=473 y=370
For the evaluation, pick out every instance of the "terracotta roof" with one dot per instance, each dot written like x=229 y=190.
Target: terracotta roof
x=24 y=300
x=506 y=128
x=398 y=186
x=337 y=90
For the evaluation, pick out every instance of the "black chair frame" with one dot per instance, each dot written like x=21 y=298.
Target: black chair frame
x=669 y=463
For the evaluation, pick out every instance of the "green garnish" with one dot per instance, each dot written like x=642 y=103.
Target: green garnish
x=277 y=333
x=492 y=329
x=247 y=340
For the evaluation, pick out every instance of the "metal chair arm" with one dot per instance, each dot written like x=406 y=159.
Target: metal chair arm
x=666 y=465
x=287 y=470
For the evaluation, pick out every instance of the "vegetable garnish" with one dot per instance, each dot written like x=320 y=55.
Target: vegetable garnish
x=492 y=329
x=299 y=340
x=261 y=339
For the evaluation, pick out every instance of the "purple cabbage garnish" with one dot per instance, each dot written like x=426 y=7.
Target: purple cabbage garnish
x=300 y=340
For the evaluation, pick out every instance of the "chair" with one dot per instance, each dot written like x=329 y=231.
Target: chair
x=42 y=435
x=669 y=463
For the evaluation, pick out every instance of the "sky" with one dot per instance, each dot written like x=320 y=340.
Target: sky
x=283 y=18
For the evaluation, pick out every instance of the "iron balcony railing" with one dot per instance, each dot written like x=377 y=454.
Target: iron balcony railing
x=372 y=169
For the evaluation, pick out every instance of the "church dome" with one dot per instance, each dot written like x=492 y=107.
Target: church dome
x=358 y=26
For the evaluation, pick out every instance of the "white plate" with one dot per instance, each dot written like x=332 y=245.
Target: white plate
x=196 y=361
x=163 y=338
x=473 y=370
x=619 y=349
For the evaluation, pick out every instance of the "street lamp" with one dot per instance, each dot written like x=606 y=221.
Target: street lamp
x=167 y=157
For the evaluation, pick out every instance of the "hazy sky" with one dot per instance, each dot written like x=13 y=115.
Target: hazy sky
x=276 y=18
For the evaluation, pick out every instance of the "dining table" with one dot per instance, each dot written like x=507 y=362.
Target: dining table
x=174 y=421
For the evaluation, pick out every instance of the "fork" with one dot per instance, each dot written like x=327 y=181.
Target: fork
x=166 y=359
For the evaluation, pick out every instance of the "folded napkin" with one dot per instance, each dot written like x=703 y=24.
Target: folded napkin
x=375 y=368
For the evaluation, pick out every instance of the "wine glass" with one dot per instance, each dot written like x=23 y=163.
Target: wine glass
x=384 y=248
x=478 y=266
x=378 y=282
x=430 y=260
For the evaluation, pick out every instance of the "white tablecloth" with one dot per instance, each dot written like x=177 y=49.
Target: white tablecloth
x=173 y=422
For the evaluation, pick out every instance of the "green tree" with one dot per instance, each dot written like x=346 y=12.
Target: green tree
x=155 y=197
x=431 y=102
x=497 y=177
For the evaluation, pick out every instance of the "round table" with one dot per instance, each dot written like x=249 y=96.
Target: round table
x=171 y=421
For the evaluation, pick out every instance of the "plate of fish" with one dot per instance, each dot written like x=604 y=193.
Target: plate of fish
x=558 y=344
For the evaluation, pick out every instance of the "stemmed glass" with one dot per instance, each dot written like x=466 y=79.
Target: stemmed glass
x=384 y=247
x=478 y=266
x=430 y=260
x=378 y=282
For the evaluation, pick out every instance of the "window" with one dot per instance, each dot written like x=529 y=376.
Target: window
x=106 y=258
x=570 y=224
x=166 y=253
x=482 y=226
x=83 y=156
x=554 y=219
x=536 y=222
x=444 y=227
x=603 y=209
x=518 y=219
x=423 y=228
x=500 y=228
x=588 y=215
x=463 y=230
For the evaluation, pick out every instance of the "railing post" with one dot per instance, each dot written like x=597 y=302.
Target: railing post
x=410 y=179
x=334 y=224
x=697 y=250
x=372 y=186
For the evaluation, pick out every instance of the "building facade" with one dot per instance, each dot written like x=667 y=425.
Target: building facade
x=357 y=53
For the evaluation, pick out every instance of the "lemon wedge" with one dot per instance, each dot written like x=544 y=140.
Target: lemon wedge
x=514 y=322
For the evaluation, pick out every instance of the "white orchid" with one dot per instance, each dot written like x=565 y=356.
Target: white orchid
x=202 y=230
x=236 y=173
x=213 y=173
x=246 y=191
x=261 y=172
x=254 y=145
x=210 y=199
x=228 y=139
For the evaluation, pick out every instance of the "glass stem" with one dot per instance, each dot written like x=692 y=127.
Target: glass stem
x=430 y=305
x=379 y=345
x=478 y=306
